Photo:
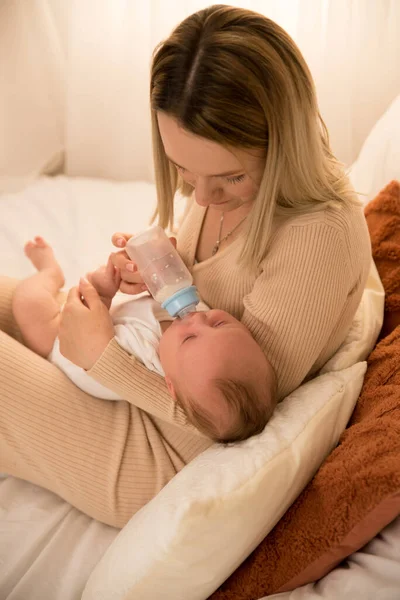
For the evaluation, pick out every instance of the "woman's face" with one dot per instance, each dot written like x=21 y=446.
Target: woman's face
x=220 y=178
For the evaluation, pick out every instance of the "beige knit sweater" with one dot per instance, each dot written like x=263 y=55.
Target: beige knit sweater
x=299 y=307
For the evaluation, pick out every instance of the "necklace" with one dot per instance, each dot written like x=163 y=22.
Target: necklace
x=219 y=240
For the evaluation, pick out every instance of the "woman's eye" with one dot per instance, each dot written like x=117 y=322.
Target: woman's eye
x=237 y=179
x=231 y=180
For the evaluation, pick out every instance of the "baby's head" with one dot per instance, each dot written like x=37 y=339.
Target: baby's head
x=219 y=374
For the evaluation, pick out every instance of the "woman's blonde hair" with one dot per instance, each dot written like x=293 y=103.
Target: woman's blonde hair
x=235 y=77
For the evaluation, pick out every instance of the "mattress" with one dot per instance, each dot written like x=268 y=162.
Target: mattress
x=48 y=548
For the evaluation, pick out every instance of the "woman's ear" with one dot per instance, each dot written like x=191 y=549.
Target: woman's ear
x=170 y=387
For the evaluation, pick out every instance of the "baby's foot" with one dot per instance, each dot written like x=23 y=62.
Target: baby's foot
x=42 y=257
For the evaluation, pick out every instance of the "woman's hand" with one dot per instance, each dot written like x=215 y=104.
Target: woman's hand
x=131 y=280
x=85 y=331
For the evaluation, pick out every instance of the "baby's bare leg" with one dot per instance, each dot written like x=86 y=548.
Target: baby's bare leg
x=35 y=306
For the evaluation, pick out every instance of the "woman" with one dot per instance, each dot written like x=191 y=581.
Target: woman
x=273 y=234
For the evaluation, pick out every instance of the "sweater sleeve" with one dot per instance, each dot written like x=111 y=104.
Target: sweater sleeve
x=298 y=299
x=127 y=377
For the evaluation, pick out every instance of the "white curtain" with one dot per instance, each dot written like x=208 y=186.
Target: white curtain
x=74 y=74
x=32 y=91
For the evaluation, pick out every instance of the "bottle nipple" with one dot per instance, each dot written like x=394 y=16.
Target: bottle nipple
x=182 y=302
x=186 y=311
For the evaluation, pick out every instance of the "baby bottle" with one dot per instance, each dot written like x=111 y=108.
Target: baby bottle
x=163 y=271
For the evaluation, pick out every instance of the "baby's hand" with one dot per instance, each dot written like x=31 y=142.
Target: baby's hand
x=131 y=280
x=106 y=280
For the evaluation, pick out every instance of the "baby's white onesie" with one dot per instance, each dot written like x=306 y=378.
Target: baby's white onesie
x=137 y=330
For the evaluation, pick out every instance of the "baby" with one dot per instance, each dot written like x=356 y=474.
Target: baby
x=212 y=365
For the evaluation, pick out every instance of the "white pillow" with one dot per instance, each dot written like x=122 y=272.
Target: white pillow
x=379 y=159
x=212 y=515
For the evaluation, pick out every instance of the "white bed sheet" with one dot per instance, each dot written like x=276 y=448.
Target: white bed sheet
x=77 y=216
x=47 y=548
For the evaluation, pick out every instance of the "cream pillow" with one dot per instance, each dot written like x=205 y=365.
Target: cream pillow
x=210 y=517
x=379 y=158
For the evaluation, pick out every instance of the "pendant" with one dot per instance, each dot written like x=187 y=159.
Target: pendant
x=215 y=249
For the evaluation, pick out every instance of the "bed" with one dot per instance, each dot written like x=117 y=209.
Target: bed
x=48 y=548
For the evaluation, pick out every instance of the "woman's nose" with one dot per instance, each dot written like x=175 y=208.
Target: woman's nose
x=206 y=193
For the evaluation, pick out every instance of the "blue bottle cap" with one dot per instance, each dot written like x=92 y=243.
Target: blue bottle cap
x=181 y=300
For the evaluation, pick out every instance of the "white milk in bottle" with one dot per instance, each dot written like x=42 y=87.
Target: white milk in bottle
x=163 y=271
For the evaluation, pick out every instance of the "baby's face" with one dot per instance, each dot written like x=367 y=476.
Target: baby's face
x=204 y=346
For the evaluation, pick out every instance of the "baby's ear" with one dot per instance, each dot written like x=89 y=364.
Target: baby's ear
x=170 y=387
